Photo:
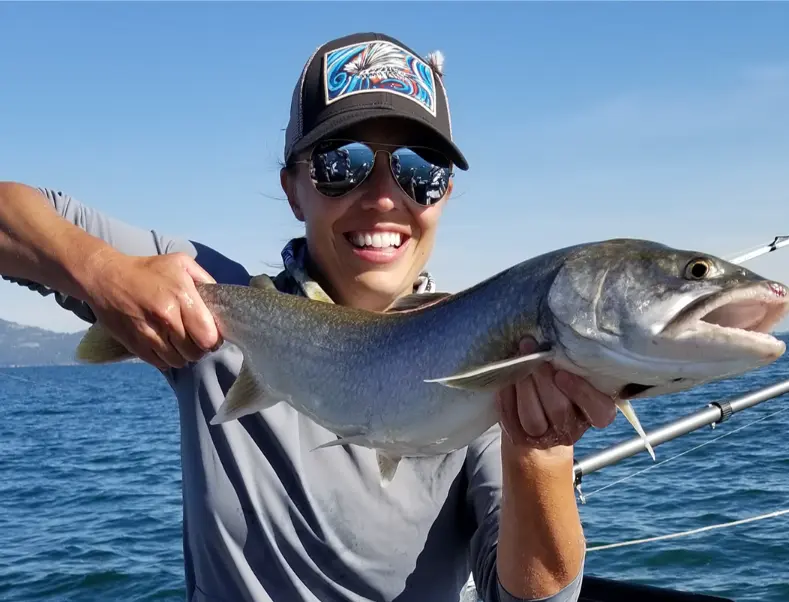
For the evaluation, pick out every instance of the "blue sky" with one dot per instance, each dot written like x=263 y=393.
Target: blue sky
x=580 y=121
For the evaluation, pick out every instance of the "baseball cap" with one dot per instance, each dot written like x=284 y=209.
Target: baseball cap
x=361 y=76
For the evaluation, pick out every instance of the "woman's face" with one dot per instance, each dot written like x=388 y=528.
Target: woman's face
x=339 y=230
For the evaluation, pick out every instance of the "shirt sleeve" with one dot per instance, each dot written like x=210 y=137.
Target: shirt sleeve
x=484 y=474
x=130 y=240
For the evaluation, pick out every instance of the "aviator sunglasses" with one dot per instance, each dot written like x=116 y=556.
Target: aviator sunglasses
x=338 y=167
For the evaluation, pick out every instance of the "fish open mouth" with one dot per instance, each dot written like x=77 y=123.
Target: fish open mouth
x=750 y=311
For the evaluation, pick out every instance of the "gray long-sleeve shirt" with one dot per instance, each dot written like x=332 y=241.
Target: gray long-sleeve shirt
x=266 y=519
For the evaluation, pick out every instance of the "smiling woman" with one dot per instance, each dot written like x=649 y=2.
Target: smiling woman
x=369 y=158
x=370 y=216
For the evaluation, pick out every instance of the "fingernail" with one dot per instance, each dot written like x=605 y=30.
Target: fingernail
x=527 y=345
x=563 y=380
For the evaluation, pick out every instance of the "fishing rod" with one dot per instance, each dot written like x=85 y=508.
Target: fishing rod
x=713 y=414
x=777 y=243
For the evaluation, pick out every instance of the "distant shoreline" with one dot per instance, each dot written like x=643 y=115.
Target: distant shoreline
x=34 y=347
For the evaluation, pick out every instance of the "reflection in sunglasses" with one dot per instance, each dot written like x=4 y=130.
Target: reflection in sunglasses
x=337 y=169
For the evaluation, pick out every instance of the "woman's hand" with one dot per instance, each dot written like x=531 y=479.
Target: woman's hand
x=551 y=408
x=541 y=542
x=152 y=307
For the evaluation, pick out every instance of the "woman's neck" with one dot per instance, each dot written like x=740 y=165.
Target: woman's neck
x=371 y=301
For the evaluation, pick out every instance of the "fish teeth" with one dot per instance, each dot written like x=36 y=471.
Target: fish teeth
x=376 y=240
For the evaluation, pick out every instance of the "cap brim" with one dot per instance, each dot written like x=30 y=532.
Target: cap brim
x=336 y=123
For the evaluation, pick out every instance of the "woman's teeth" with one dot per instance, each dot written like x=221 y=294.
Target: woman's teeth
x=377 y=240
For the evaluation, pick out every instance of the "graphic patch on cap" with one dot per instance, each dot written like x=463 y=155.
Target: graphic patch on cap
x=379 y=66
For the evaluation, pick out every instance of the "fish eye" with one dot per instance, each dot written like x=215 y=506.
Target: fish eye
x=698 y=269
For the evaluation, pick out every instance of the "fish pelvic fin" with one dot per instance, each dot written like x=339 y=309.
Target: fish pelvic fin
x=245 y=396
x=627 y=409
x=350 y=440
x=496 y=375
x=387 y=467
x=99 y=346
x=387 y=464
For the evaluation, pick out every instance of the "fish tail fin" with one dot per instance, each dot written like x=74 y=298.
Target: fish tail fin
x=627 y=409
x=99 y=346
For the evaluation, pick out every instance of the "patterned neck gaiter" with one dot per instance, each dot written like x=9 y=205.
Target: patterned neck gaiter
x=295 y=278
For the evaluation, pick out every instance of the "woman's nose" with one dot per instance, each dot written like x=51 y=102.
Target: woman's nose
x=382 y=192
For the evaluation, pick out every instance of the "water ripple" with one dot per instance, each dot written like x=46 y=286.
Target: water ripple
x=90 y=499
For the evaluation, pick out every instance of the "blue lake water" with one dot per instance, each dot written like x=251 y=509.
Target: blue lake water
x=90 y=501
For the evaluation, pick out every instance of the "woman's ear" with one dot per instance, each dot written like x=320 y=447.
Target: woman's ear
x=287 y=179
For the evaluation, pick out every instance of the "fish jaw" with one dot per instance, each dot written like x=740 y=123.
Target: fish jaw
x=718 y=335
x=733 y=325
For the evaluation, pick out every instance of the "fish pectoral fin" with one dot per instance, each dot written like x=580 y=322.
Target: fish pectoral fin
x=415 y=301
x=245 y=396
x=496 y=375
x=99 y=346
x=350 y=440
x=387 y=466
x=627 y=409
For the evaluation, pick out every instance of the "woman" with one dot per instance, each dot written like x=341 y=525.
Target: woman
x=264 y=517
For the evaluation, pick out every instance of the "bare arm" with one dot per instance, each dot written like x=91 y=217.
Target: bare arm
x=541 y=542
x=529 y=542
x=541 y=545
x=38 y=244
x=143 y=294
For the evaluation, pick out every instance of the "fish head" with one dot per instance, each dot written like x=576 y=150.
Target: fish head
x=648 y=319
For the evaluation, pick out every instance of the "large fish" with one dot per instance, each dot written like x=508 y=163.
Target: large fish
x=636 y=318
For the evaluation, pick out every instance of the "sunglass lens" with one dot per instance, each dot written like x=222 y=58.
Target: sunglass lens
x=338 y=167
x=425 y=182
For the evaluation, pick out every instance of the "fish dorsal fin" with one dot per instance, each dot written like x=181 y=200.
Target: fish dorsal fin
x=415 y=301
x=496 y=375
x=262 y=281
x=245 y=396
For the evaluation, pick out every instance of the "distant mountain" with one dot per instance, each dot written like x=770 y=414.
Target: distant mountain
x=30 y=346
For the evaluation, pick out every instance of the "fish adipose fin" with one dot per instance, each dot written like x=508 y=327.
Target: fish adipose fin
x=496 y=375
x=245 y=396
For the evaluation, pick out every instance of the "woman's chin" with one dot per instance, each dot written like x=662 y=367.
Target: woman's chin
x=378 y=288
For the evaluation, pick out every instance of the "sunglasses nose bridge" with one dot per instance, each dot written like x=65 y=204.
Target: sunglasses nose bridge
x=381 y=179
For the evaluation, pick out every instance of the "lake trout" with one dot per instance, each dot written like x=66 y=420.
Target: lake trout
x=637 y=319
